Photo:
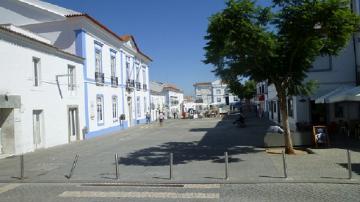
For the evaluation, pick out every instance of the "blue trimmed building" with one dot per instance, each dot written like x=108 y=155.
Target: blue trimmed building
x=116 y=72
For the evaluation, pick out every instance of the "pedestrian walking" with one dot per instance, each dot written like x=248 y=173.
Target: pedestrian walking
x=147 y=118
x=161 y=118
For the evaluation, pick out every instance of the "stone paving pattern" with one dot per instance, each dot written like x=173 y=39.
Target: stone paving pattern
x=198 y=147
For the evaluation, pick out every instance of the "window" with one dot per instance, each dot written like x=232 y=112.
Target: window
x=137 y=73
x=218 y=99
x=128 y=72
x=115 y=108
x=144 y=76
x=37 y=71
x=274 y=105
x=218 y=91
x=339 y=111
x=290 y=107
x=174 y=101
x=138 y=106
x=71 y=78
x=98 y=60
x=100 y=109
x=322 y=63
x=113 y=64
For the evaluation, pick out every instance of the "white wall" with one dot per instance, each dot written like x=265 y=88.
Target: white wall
x=341 y=71
x=174 y=108
x=158 y=103
x=62 y=34
x=19 y=13
x=16 y=78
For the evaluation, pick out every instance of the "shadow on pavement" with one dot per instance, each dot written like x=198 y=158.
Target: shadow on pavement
x=224 y=137
x=355 y=167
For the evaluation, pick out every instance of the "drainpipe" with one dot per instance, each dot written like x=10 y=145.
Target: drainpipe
x=58 y=84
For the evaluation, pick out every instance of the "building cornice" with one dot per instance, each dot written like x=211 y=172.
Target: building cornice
x=40 y=44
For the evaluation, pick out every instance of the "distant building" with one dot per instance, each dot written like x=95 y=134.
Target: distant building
x=221 y=94
x=203 y=93
x=172 y=101
x=214 y=93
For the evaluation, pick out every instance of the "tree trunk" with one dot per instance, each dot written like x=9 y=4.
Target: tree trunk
x=285 y=122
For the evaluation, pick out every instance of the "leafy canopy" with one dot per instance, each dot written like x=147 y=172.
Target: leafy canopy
x=277 y=43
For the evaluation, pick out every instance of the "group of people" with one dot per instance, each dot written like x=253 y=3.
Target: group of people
x=161 y=118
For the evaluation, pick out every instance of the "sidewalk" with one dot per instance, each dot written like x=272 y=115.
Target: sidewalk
x=198 y=147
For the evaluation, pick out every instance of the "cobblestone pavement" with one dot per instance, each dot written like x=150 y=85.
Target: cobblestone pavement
x=38 y=192
x=198 y=147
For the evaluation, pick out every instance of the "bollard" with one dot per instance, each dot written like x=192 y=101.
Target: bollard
x=349 y=164
x=226 y=166
x=73 y=167
x=21 y=167
x=284 y=164
x=171 y=166
x=117 y=166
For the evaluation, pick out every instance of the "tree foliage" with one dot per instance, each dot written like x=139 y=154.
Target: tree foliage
x=278 y=43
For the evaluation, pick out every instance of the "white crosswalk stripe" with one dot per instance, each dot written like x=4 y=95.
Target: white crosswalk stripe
x=148 y=194
x=8 y=187
x=168 y=195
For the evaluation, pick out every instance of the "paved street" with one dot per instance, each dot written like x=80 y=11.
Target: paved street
x=180 y=192
x=198 y=147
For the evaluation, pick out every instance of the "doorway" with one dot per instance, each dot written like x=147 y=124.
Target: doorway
x=7 y=132
x=227 y=101
x=73 y=120
x=38 y=132
x=318 y=113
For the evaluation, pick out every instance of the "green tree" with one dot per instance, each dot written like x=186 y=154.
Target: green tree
x=277 y=43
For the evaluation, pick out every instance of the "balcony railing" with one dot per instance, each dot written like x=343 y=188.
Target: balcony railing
x=138 y=86
x=99 y=78
x=114 y=81
x=130 y=84
x=144 y=87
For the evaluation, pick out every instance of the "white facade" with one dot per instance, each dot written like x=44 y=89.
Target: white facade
x=214 y=93
x=157 y=105
x=111 y=63
x=330 y=73
x=203 y=93
x=166 y=98
x=41 y=94
x=221 y=94
x=174 y=100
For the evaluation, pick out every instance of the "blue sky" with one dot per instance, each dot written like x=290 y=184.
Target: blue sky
x=171 y=32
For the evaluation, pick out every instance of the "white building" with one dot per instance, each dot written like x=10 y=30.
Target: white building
x=173 y=98
x=115 y=70
x=214 y=93
x=221 y=94
x=203 y=93
x=261 y=99
x=41 y=93
x=335 y=75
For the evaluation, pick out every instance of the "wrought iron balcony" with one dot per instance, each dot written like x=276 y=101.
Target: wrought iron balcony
x=130 y=84
x=114 y=81
x=99 y=78
x=138 y=86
